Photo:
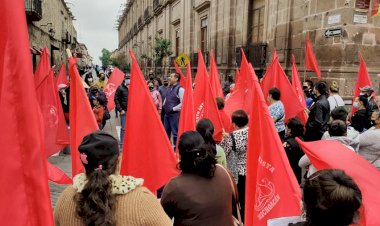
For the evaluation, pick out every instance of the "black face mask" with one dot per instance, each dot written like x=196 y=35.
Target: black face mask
x=150 y=88
x=373 y=123
x=166 y=83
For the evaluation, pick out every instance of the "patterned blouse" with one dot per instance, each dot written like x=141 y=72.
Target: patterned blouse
x=277 y=111
x=236 y=162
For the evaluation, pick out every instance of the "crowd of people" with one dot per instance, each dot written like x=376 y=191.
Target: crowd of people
x=101 y=196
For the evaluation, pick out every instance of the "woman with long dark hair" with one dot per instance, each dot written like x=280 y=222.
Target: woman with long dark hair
x=202 y=193
x=101 y=197
x=206 y=129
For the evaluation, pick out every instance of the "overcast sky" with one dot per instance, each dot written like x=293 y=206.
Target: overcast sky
x=95 y=22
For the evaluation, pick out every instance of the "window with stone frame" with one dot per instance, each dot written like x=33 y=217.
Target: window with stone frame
x=257 y=25
x=204 y=25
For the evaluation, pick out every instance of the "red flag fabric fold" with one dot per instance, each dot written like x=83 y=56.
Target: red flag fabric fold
x=204 y=100
x=276 y=77
x=182 y=81
x=214 y=78
x=272 y=190
x=363 y=80
x=24 y=191
x=82 y=118
x=47 y=99
x=328 y=154
x=241 y=97
x=187 y=116
x=62 y=76
x=296 y=83
x=56 y=175
x=114 y=81
x=147 y=152
x=310 y=60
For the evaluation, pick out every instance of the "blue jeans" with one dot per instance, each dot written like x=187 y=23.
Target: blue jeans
x=171 y=126
x=122 y=130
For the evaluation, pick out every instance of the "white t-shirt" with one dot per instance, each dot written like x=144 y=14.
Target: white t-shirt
x=335 y=101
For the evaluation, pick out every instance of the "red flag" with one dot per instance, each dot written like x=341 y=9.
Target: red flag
x=114 y=81
x=187 y=116
x=298 y=88
x=310 y=61
x=147 y=152
x=204 y=100
x=82 y=118
x=329 y=154
x=363 y=80
x=24 y=190
x=47 y=98
x=241 y=97
x=214 y=78
x=56 y=175
x=182 y=81
x=272 y=190
x=276 y=77
x=62 y=76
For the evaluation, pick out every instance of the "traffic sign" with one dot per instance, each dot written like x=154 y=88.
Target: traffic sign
x=182 y=60
x=333 y=32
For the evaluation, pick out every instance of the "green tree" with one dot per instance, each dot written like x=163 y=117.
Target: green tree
x=161 y=50
x=105 y=58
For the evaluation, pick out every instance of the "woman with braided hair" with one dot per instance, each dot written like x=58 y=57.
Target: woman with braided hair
x=202 y=193
x=102 y=197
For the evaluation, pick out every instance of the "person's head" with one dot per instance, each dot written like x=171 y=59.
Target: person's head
x=62 y=88
x=334 y=87
x=206 y=129
x=308 y=84
x=94 y=90
x=338 y=128
x=150 y=85
x=360 y=102
x=174 y=78
x=375 y=118
x=320 y=88
x=232 y=87
x=230 y=78
x=95 y=102
x=151 y=74
x=127 y=79
x=274 y=95
x=99 y=154
x=165 y=81
x=339 y=113
x=196 y=156
x=366 y=91
x=331 y=197
x=220 y=103
x=239 y=119
x=90 y=81
x=295 y=127
x=101 y=75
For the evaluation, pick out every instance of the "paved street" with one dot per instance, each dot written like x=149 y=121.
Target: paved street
x=64 y=161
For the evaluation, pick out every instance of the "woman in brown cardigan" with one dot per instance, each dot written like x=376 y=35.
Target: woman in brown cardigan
x=100 y=197
x=202 y=193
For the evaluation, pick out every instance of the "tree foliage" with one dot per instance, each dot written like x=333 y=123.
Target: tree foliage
x=105 y=58
x=161 y=50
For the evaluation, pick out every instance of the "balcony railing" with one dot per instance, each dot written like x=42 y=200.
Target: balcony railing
x=33 y=9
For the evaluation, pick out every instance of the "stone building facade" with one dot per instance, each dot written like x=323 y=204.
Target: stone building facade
x=50 y=25
x=338 y=30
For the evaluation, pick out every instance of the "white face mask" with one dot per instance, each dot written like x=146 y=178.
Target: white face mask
x=356 y=105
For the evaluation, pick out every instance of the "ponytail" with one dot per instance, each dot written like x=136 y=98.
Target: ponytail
x=96 y=203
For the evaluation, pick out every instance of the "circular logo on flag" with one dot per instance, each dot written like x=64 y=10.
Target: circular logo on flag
x=109 y=89
x=264 y=193
x=50 y=114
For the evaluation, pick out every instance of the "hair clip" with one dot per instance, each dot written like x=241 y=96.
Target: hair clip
x=83 y=158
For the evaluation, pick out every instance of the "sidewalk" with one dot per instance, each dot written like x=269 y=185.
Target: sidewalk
x=64 y=161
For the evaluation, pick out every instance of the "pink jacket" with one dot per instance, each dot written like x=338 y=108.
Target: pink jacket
x=157 y=100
